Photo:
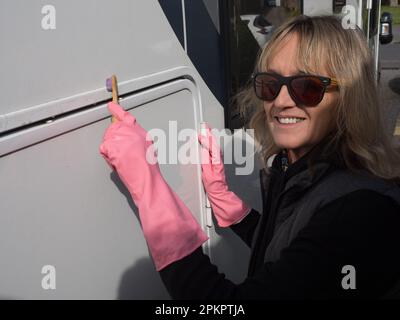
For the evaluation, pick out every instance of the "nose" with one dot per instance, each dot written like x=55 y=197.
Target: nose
x=284 y=99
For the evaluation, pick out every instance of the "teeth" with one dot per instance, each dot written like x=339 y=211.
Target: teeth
x=290 y=120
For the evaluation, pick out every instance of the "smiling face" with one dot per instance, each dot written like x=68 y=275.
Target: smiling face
x=296 y=128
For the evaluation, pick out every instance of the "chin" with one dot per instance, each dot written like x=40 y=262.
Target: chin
x=290 y=142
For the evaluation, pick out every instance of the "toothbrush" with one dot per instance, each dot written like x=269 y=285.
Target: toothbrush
x=112 y=86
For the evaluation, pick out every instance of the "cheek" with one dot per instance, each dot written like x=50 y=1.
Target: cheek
x=322 y=122
x=267 y=110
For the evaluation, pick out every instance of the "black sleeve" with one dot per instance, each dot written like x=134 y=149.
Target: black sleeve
x=360 y=229
x=245 y=229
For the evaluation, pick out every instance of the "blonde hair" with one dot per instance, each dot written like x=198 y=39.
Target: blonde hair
x=360 y=138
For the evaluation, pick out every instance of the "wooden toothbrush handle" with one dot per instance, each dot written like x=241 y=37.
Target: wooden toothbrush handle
x=114 y=88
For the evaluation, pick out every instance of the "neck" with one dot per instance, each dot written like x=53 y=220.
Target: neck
x=294 y=155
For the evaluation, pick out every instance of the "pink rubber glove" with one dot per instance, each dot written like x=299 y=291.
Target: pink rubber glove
x=228 y=208
x=170 y=229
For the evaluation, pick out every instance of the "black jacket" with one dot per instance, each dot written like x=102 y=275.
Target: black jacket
x=360 y=229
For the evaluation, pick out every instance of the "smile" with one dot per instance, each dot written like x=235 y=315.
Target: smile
x=289 y=120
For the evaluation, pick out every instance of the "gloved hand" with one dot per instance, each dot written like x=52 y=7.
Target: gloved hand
x=227 y=207
x=170 y=229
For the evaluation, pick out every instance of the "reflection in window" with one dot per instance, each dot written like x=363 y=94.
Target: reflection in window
x=338 y=5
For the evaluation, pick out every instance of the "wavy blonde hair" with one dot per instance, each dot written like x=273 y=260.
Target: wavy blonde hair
x=360 y=138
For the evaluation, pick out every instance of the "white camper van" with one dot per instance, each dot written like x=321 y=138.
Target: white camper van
x=68 y=228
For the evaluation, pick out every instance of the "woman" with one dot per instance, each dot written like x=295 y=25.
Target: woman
x=331 y=202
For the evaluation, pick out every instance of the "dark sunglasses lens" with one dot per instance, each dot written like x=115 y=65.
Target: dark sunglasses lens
x=308 y=91
x=266 y=87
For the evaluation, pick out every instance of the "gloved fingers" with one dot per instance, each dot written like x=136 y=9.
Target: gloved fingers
x=104 y=152
x=126 y=124
x=210 y=146
x=120 y=114
x=204 y=151
x=205 y=158
x=207 y=140
x=204 y=141
x=205 y=137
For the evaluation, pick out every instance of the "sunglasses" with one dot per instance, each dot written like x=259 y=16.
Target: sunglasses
x=305 y=90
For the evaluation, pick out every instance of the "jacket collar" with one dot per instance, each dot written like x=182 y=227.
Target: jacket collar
x=305 y=172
